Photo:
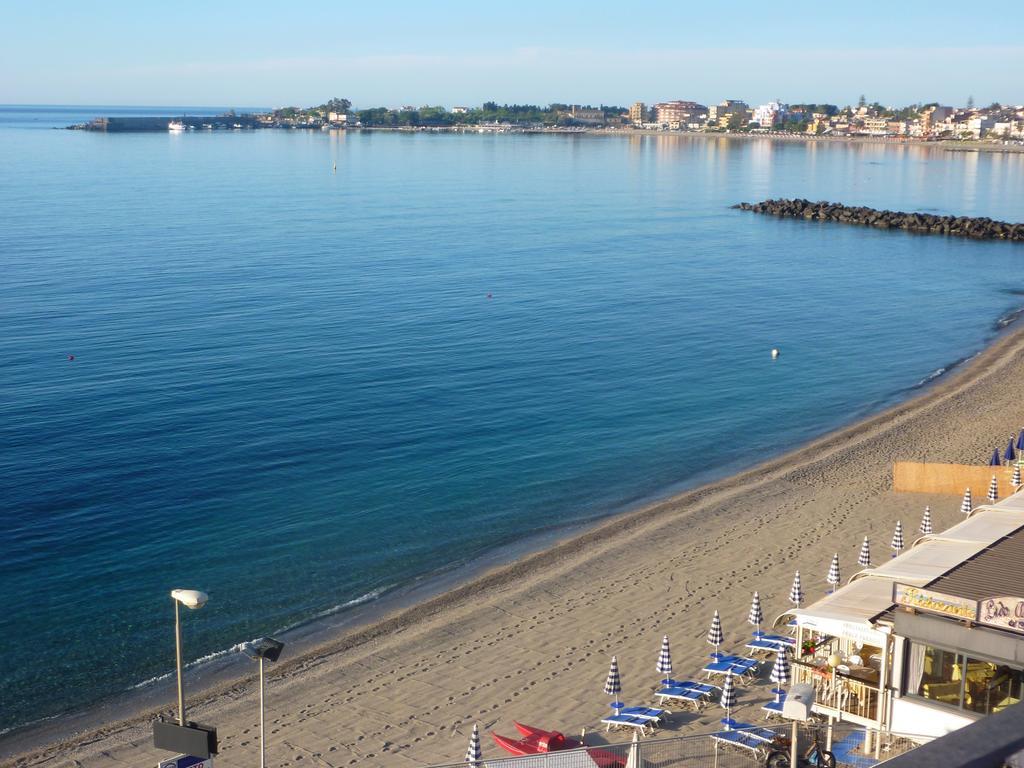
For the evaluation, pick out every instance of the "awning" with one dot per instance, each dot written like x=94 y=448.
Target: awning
x=849 y=611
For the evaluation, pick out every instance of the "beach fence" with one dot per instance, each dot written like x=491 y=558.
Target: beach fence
x=702 y=751
x=925 y=477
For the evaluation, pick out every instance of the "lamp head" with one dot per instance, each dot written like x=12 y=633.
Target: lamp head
x=190 y=598
x=264 y=648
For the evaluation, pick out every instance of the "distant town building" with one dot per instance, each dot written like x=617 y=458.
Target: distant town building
x=337 y=117
x=768 y=115
x=460 y=110
x=679 y=114
x=586 y=115
x=728 y=113
x=932 y=117
x=638 y=113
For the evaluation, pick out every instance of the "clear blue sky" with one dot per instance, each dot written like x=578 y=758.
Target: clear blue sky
x=222 y=52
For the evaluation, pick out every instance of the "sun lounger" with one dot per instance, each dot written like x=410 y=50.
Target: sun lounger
x=628 y=721
x=744 y=669
x=705 y=689
x=789 y=642
x=739 y=739
x=647 y=713
x=767 y=735
x=774 y=708
x=763 y=646
x=685 y=695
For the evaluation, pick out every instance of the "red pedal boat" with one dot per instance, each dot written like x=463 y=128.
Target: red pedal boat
x=536 y=741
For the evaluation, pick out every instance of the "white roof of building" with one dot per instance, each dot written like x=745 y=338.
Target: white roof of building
x=850 y=610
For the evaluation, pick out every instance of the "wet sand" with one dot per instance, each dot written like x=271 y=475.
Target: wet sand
x=531 y=641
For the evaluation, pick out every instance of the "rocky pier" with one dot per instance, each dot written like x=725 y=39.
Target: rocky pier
x=925 y=223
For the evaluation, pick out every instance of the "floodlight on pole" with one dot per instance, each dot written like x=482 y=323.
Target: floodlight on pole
x=192 y=599
x=269 y=649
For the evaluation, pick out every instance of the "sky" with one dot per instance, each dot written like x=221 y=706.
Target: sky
x=455 y=52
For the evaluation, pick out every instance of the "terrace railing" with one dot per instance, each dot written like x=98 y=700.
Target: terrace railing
x=838 y=691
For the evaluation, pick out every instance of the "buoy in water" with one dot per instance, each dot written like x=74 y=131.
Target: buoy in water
x=489 y=296
x=71 y=357
x=775 y=353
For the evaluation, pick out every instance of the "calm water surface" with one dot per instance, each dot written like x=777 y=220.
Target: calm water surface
x=298 y=388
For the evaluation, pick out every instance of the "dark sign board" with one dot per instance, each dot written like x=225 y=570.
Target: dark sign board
x=192 y=739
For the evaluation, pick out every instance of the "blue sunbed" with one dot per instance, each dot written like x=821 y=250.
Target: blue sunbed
x=767 y=735
x=687 y=695
x=628 y=721
x=741 y=668
x=647 y=713
x=705 y=689
x=739 y=739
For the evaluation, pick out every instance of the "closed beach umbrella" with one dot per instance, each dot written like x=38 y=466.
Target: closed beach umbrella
x=1015 y=478
x=995 y=461
x=796 y=592
x=864 y=558
x=665 y=660
x=613 y=684
x=473 y=754
x=926 y=522
x=993 y=489
x=780 y=670
x=1009 y=454
x=897 y=538
x=1020 y=441
x=715 y=634
x=756 y=615
x=967 y=504
x=728 y=695
x=833 y=571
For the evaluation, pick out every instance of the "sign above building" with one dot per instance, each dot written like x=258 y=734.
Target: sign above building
x=934 y=602
x=1002 y=612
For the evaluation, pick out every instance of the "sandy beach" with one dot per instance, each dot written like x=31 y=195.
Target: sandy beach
x=531 y=641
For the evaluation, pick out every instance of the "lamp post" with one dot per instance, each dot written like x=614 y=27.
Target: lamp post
x=192 y=599
x=270 y=649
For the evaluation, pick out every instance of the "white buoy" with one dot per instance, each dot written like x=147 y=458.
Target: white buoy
x=775 y=353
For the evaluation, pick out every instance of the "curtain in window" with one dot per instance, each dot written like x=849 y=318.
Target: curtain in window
x=915 y=667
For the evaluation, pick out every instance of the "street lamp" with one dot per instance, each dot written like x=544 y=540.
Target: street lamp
x=192 y=599
x=265 y=648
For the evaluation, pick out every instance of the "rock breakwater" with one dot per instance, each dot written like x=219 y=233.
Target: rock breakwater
x=957 y=226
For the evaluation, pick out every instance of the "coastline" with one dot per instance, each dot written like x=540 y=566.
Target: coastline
x=890 y=141
x=439 y=619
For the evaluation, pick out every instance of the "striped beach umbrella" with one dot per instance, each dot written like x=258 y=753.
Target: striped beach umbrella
x=613 y=684
x=967 y=504
x=780 y=669
x=796 y=592
x=897 y=538
x=1009 y=454
x=715 y=634
x=1020 y=441
x=756 y=615
x=993 y=490
x=864 y=558
x=995 y=461
x=665 y=660
x=833 y=577
x=728 y=700
x=926 y=522
x=1015 y=478
x=473 y=753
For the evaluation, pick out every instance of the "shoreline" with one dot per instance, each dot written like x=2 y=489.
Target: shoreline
x=973 y=145
x=44 y=742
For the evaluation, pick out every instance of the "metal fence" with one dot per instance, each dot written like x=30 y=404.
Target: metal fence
x=706 y=751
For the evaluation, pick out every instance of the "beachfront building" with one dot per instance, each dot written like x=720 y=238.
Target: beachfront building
x=679 y=115
x=929 y=641
x=730 y=113
x=586 y=115
x=770 y=114
x=638 y=113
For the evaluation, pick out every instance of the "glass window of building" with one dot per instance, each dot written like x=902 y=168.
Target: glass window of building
x=933 y=673
x=990 y=687
x=956 y=679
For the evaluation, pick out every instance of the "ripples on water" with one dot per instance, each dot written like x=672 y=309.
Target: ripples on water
x=296 y=389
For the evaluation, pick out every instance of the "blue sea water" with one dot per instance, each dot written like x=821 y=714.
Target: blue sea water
x=297 y=388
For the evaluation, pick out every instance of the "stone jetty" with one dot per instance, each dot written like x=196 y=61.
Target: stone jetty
x=959 y=226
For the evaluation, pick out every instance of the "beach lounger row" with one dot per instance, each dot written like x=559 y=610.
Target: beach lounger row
x=745 y=669
x=745 y=736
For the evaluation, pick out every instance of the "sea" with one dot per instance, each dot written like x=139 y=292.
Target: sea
x=306 y=371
